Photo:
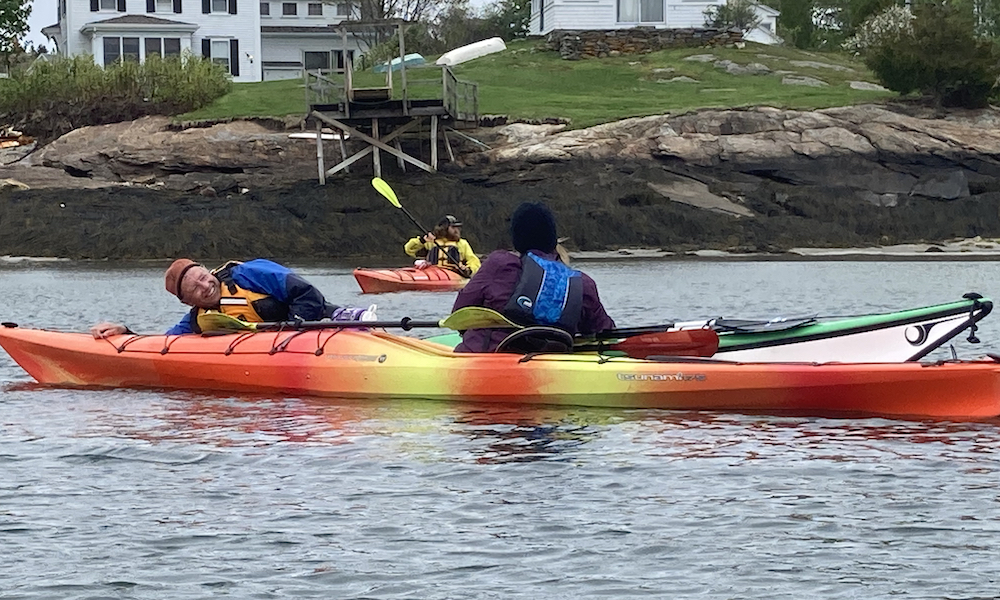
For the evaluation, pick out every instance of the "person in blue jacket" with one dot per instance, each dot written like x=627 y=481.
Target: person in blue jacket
x=255 y=291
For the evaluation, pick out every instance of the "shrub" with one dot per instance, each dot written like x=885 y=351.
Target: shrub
x=734 y=14
x=884 y=29
x=54 y=97
x=936 y=53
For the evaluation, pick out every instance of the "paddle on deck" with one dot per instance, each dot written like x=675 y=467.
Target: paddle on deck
x=470 y=317
x=638 y=342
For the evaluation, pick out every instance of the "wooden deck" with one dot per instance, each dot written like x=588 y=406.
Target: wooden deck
x=380 y=116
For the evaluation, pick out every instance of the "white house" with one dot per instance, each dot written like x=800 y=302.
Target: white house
x=254 y=39
x=552 y=15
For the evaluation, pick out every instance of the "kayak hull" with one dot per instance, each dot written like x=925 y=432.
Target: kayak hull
x=430 y=279
x=362 y=364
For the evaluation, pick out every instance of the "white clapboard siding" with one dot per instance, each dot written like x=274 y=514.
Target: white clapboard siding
x=80 y=30
x=603 y=15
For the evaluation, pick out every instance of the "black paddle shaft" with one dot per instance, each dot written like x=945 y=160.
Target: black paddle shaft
x=406 y=324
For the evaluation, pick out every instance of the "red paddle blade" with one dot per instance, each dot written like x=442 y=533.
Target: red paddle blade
x=686 y=342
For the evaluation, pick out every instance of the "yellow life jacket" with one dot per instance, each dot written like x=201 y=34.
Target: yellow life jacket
x=251 y=307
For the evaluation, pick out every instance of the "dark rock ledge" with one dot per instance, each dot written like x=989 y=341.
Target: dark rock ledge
x=754 y=180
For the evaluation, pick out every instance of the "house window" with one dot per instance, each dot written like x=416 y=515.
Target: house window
x=163 y=46
x=344 y=9
x=116 y=48
x=265 y=9
x=164 y=6
x=315 y=9
x=109 y=4
x=289 y=9
x=220 y=53
x=317 y=60
x=340 y=58
x=130 y=49
x=171 y=46
x=640 y=11
x=220 y=6
x=112 y=50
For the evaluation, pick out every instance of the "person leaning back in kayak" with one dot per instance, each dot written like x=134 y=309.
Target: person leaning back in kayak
x=445 y=248
x=254 y=291
x=531 y=286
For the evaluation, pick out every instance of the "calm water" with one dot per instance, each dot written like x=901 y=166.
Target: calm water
x=174 y=495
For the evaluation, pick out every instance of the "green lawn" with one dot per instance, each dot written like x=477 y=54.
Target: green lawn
x=525 y=82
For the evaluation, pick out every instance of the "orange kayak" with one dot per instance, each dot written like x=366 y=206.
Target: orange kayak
x=359 y=363
x=430 y=279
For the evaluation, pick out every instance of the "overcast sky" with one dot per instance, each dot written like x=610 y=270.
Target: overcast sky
x=43 y=14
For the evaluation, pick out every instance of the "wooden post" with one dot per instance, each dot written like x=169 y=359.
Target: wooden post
x=402 y=68
x=434 y=141
x=447 y=144
x=348 y=73
x=377 y=156
x=319 y=152
x=399 y=158
x=343 y=148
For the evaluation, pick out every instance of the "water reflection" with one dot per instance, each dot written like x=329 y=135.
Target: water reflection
x=488 y=434
x=506 y=434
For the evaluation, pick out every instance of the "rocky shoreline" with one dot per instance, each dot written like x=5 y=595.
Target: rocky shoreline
x=736 y=182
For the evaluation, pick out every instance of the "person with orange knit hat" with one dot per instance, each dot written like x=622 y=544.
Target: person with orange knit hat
x=254 y=291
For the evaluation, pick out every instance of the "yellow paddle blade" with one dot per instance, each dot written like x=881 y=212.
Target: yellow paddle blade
x=216 y=321
x=383 y=188
x=477 y=317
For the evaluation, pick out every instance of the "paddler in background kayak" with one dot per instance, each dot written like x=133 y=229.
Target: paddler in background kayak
x=531 y=286
x=255 y=291
x=445 y=248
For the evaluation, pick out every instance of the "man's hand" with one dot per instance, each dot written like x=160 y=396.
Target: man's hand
x=429 y=238
x=465 y=270
x=104 y=330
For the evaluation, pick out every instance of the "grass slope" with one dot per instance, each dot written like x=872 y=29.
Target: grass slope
x=526 y=82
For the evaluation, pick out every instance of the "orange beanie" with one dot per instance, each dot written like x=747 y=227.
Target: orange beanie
x=175 y=274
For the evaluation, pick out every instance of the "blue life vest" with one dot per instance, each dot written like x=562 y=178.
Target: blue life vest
x=547 y=293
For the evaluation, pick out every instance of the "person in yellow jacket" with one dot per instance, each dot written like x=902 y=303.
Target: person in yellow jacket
x=444 y=247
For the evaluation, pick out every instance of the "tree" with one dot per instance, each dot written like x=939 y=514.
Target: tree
x=985 y=14
x=13 y=27
x=508 y=19
x=734 y=14
x=796 y=22
x=938 y=55
x=406 y=10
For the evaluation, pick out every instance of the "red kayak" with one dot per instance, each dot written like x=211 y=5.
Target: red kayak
x=429 y=279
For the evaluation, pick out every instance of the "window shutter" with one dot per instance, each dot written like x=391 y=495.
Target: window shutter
x=177 y=7
x=206 y=7
x=121 y=6
x=206 y=48
x=151 y=6
x=232 y=7
x=94 y=6
x=234 y=55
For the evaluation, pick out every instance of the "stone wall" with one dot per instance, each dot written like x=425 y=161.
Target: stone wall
x=574 y=45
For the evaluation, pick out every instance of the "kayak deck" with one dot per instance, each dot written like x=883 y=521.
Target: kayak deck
x=351 y=363
x=906 y=335
x=429 y=279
